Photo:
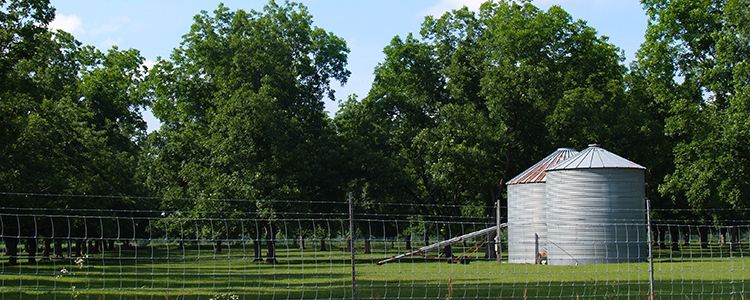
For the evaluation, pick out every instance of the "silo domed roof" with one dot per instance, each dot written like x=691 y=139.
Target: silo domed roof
x=537 y=172
x=595 y=157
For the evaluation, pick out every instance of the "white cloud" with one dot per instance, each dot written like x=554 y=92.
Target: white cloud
x=112 y=26
x=71 y=24
x=447 y=5
x=149 y=64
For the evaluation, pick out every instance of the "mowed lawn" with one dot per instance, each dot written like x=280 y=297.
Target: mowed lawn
x=167 y=272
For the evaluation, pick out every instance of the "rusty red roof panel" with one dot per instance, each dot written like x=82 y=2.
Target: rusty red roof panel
x=537 y=172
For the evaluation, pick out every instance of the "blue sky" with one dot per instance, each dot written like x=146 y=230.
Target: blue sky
x=156 y=27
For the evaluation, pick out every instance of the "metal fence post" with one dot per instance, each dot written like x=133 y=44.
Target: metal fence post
x=351 y=245
x=650 y=250
x=498 y=240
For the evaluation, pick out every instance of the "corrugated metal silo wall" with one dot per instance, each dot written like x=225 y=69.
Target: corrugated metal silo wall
x=527 y=222
x=596 y=216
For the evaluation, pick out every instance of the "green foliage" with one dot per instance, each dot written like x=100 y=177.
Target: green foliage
x=70 y=121
x=23 y=22
x=695 y=59
x=478 y=99
x=242 y=112
x=450 y=117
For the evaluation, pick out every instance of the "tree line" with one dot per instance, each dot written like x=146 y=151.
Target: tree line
x=452 y=114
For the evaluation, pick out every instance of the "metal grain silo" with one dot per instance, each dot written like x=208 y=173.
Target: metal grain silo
x=596 y=210
x=527 y=209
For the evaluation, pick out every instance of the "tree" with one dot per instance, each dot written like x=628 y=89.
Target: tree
x=694 y=62
x=480 y=98
x=241 y=103
x=695 y=58
x=69 y=116
x=23 y=23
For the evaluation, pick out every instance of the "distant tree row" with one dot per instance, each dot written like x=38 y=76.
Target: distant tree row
x=450 y=117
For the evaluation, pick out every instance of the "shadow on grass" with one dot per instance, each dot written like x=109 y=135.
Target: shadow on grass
x=312 y=274
x=438 y=288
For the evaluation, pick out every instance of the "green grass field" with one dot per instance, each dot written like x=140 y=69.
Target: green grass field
x=161 y=272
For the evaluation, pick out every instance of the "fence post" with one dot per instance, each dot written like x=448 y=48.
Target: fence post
x=351 y=245
x=650 y=250
x=498 y=240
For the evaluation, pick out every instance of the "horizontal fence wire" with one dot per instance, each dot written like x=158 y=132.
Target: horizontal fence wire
x=269 y=249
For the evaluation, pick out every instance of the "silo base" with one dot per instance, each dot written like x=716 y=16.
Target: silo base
x=577 y=262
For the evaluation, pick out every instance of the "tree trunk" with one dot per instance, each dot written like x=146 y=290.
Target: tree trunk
x=46 y=248
x=11 y=249
x=408 y=243
x=111 y=245
x=271 y=243
x=257 y=248
x=686 y=235
x=302 y=242
x=32 y=247
x=217 y=247
x=674 y=233
x=79 y=248
x=723 y=232
x=703 y=232
x=58 y=248
x=98 y=248
x=323 y=244
x=368 y=246
x=257 y=242
x=662 y=237
x=448 y=251
x=734 y=238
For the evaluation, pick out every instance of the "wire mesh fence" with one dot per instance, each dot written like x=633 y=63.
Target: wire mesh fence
x=303 y=250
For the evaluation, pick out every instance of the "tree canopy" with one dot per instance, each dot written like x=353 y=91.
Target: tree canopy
x=241 y=101
x=453 y=112
x=695 y=61
x=69 y=114
x=480 y=97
